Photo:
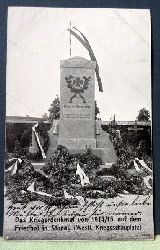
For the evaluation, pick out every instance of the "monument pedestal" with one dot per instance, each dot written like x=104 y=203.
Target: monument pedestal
x=102 y=148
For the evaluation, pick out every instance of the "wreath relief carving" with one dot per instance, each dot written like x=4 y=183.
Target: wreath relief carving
x=77 y=86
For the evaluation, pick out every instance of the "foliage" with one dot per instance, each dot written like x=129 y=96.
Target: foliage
x=18 y=135
x=59 y=174
x=19 y=181
x=89 y=160
x=57 y=166
x=62 y=166
x=127 y=152
x=143 y=115
x=133 y=184
x=54 y=110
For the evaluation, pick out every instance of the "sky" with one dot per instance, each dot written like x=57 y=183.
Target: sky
x=37 y=39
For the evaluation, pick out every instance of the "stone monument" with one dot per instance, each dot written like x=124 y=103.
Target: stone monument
x=77 y=103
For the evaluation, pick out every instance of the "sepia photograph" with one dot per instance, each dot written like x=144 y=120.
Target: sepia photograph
x=78 y=151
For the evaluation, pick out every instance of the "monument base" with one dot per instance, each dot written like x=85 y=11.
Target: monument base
x=77 y=143
x=101 y=146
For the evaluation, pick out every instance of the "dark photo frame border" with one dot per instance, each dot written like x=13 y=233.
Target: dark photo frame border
x=154 y=7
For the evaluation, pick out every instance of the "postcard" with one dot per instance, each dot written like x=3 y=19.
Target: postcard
x=78 y=158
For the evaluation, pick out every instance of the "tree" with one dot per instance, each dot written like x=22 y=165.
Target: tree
x=54 y=110
x=143 y=115
x=18 y=136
